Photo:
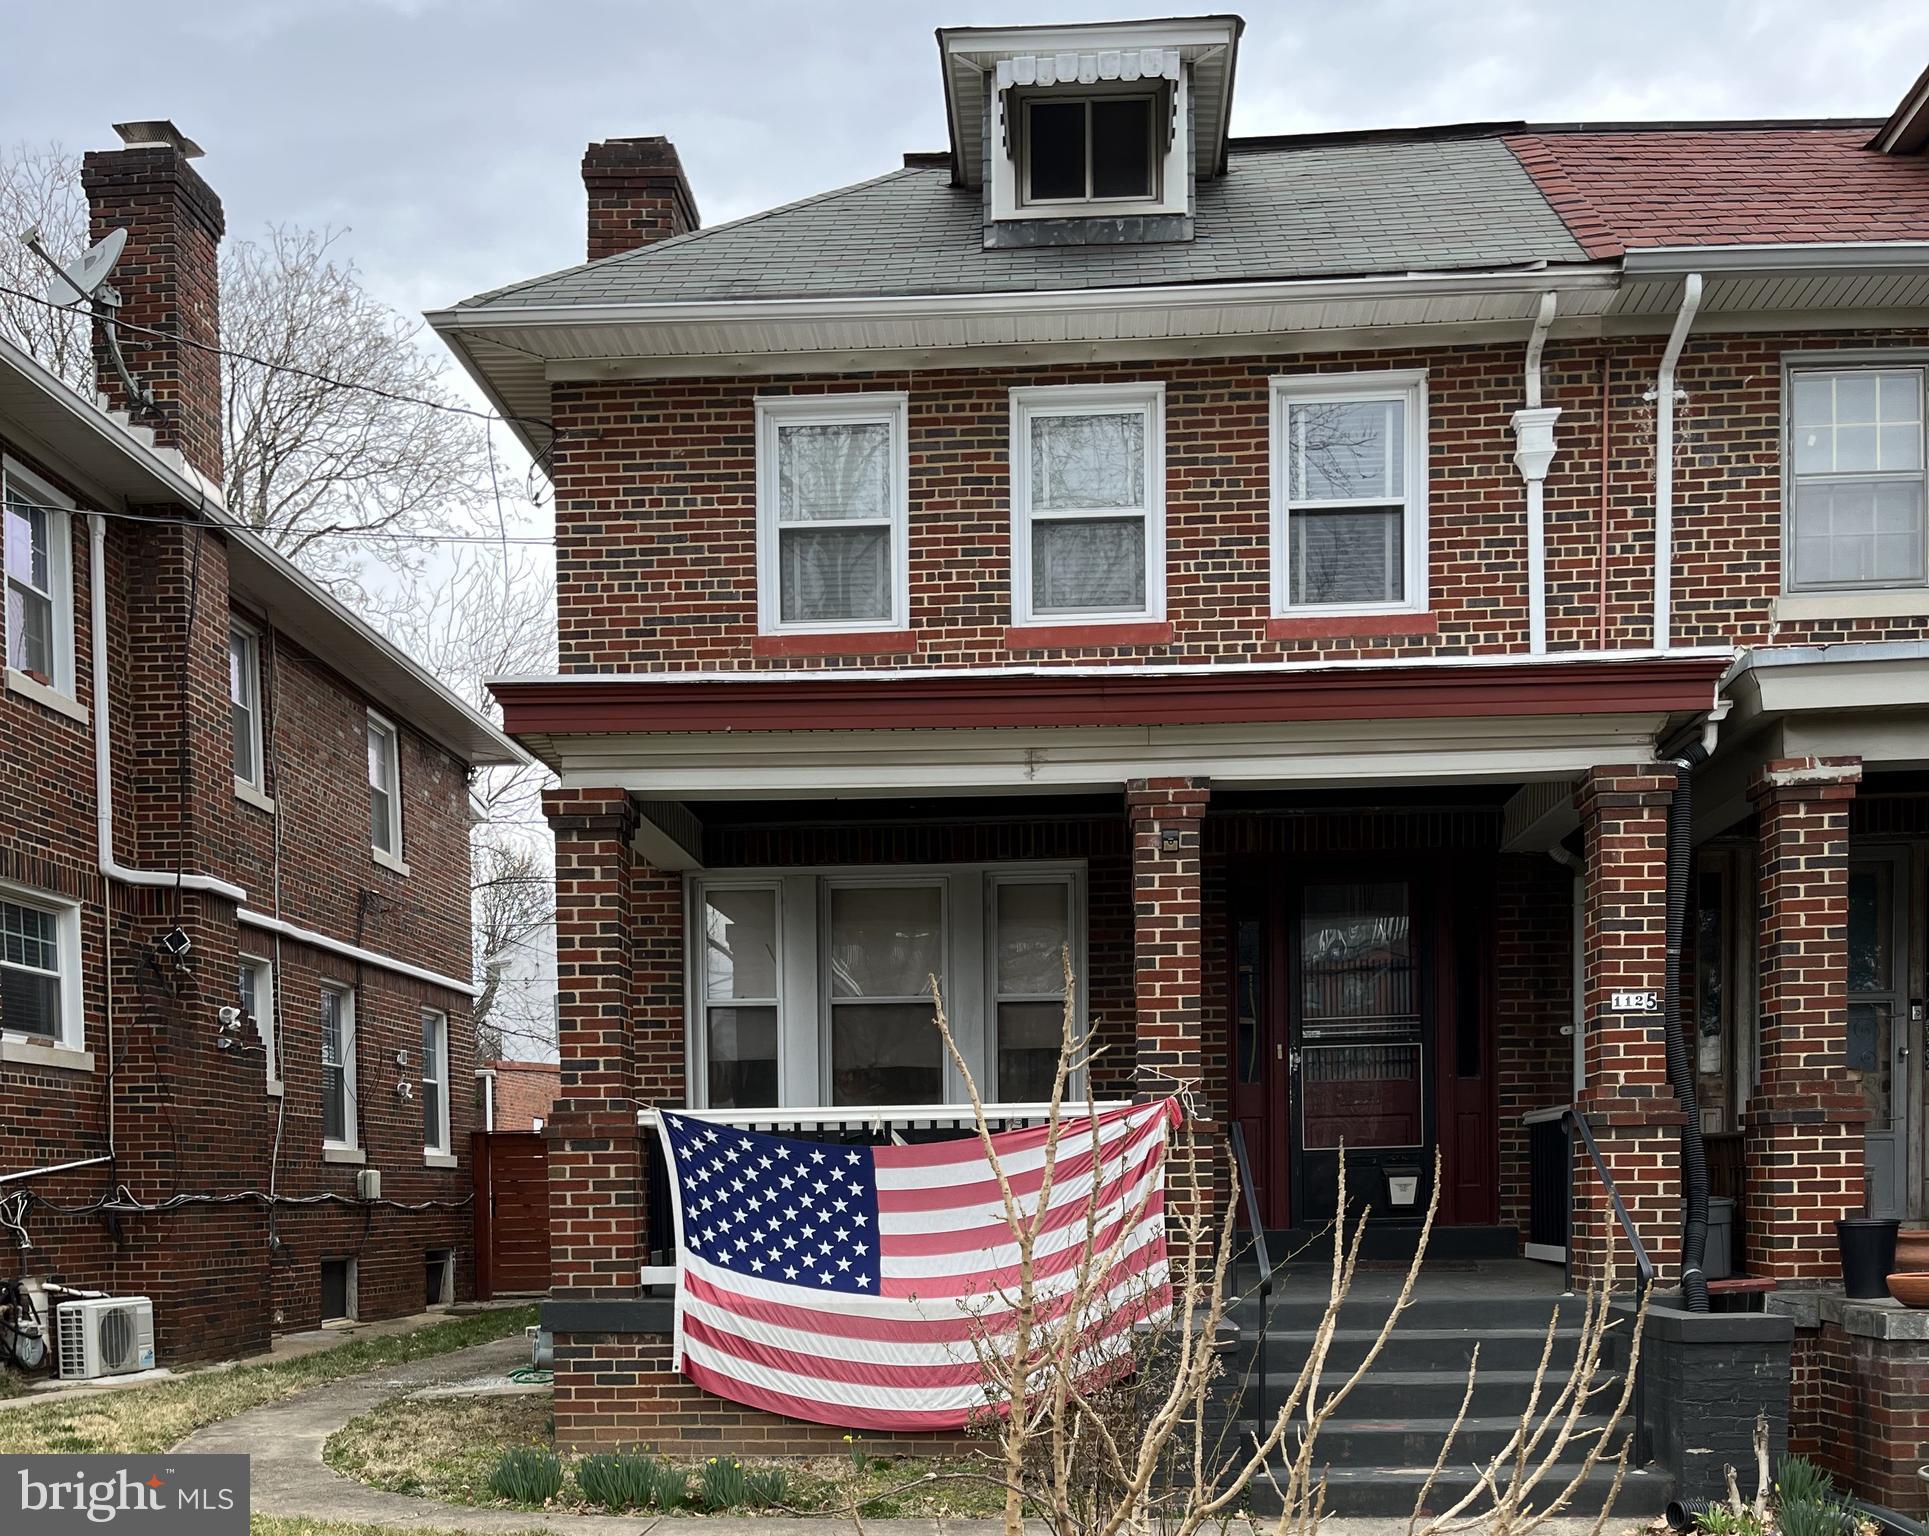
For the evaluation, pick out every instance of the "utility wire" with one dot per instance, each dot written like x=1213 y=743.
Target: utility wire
x=352 y=535
x=296 y=370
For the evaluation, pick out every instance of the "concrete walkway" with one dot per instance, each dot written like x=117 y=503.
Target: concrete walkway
x=285 y=1440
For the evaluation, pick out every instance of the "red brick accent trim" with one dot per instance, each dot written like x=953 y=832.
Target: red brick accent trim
x=1075 y=637
x=1367 y=625
x=882 y=642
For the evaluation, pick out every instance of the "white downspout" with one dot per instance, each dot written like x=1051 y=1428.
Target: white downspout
x=1533 y=453
x=1663 y=398
x=104 y=745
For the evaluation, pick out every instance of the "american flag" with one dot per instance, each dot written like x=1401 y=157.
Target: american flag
x=847 y=1285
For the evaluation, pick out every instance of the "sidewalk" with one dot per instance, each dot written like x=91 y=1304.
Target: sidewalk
x=290 y=1478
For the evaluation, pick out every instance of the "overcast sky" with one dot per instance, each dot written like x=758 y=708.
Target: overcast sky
x=444 y=135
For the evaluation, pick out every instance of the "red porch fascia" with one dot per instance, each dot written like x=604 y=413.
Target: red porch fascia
x=932 y=698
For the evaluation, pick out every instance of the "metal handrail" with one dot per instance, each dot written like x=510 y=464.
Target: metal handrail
x=1243 y=1170
x=1643 y=1265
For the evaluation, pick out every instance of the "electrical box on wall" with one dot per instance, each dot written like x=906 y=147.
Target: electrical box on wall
x=368 y=1183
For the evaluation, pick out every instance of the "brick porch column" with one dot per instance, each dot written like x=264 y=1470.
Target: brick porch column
x=595 y=1162
x=1804 y=1127
x=1625 y=1093
x=1165 y=816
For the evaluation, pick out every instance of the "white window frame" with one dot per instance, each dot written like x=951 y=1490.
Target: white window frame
x=1029 y=401
x=700 y=1001
x=350 y=1139
x=1878 y=598
x=872 y=407
x=439 y=1148
x=263 y=970
x=1407 y=385
x=1153 y=99
x=1072 y=880
x=803 y=916
x=390 y=858
x=18 y=483
x=252 y=788
x=70 y=1038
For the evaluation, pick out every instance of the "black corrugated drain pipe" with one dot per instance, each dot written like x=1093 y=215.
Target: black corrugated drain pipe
x=1681 y=1073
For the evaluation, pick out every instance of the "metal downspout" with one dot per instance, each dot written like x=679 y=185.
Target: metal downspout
x=1664 y=462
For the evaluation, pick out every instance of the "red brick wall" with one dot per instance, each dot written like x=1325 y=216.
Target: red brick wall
x=656 y=508
x=1533 y=1001
x=191 y=1119
x=1859 y=1407
x=525 y=1091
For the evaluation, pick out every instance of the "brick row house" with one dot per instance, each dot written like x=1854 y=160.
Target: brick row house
x=235 y=978
x=1298 y=576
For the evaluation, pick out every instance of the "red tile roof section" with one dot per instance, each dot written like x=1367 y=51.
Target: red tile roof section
x=1624 y=189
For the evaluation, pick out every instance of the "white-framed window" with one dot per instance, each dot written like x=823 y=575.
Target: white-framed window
x=244 y=705
x=1349 y=461
x=742 y=994
x=833 y=513
x=435 y=1082
x=1857 y=476
x=385 y=792
x=255 y=992
x=338 y=1067
x=1088 y=503
x=1032 y=924
x=38 y=543
x=1101 y=148
x=812 y=986
x=40 y=991
x=882 y=941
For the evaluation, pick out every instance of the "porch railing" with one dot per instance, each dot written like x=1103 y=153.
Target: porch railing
x=1550 y=1190
x=853 y=1126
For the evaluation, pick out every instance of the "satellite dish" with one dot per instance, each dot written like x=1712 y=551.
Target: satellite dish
x=71 y=285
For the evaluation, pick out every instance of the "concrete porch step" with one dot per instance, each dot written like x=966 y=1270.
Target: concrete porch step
x=1412 y=1348
x=1391 y=1491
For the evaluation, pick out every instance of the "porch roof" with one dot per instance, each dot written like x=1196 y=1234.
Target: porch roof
x=1067 y=727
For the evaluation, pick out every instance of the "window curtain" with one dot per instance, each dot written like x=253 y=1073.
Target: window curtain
x=837 y=474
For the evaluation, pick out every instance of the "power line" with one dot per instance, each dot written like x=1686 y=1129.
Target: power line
x=555 y=432
x=544 y=541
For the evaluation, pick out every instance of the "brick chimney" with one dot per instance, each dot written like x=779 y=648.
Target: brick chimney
x=637 y=195
x=169 y=279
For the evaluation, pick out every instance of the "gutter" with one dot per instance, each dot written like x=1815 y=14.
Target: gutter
x=1664 y=461
x=1859 y=256
x=111 y=867
x=249 y=918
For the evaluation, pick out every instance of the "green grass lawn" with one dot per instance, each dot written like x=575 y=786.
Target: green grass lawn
x=153 y=1418
x=443 y=1448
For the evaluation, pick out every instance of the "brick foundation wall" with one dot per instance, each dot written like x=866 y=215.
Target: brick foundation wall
x=1859 y=1407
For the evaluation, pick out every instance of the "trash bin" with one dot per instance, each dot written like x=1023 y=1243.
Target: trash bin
x=1868 y=1248
x=1718 y=1258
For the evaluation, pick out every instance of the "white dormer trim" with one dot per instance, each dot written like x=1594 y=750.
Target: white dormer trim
x=1172 y=186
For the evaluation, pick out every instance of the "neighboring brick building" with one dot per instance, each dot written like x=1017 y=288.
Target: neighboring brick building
x=516 y=1095
x=1286 y=572
x=223 y=791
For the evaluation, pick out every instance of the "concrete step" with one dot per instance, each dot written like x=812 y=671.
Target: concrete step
x=1361 y=1442
x=1411 y=1348
x=1384 y=1394
x=1302 y=1308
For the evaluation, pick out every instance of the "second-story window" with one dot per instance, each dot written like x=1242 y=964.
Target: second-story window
x=384 y=792
x=832 y=510
x=1089 y=149
x=1349 y=493
x=39 y=586
x=1088 y=505
x=244 y=704
x=1857 y=478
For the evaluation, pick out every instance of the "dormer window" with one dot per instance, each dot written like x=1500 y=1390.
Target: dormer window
x=1089 y=149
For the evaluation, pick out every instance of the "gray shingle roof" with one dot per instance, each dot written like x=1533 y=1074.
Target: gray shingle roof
x=1312 y=209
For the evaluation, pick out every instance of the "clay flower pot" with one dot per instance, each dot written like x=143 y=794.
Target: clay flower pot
x=1912 y=1290
x=1912 y=1250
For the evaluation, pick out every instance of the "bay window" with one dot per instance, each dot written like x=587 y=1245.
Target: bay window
x=832 y=512
x=1857 y=478
x=1349 y=463
x=1088 y=503
x=814 y=987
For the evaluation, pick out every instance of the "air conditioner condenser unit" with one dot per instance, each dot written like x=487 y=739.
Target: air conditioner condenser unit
x=108 y=1336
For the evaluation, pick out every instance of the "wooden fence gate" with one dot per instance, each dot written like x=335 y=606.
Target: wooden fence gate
x=512 y=1213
